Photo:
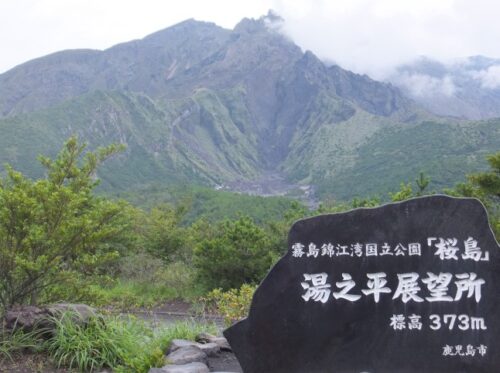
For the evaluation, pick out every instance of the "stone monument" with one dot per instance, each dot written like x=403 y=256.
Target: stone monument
x=406 y=287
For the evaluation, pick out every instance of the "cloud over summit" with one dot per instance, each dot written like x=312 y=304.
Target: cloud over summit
x=373 y=37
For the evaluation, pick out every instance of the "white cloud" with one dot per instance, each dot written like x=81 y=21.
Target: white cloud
x=373 y=37
x=32 y=28
x=489 y=78
x=366 y=36
x=421 y=85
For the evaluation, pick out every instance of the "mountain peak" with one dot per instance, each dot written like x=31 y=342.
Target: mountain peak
x=270 y=21
x=188 y=26
x=197 y=102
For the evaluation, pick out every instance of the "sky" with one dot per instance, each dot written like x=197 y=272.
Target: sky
x=365 y=36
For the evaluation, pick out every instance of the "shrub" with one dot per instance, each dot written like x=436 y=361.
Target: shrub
x=233 y=304
x=127 y=295
x=141 y=267
x=55 y=227
x=164 y=237
x=239 y=253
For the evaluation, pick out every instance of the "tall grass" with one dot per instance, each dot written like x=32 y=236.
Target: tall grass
x=16 y=342
x=183 y=330
x=131 y=295
x=123 y=344
x=147 y=285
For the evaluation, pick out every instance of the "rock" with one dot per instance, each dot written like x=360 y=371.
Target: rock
x=219 y=341
x=185 y=368
x=211 y=349
x=81 y=311
x=25 y=318
x=204 y=337
x=187 y=354
x=303 y=318
x=225 y=361
x=29 y=318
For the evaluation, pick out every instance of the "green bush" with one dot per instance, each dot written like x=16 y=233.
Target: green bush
x=239 y=253
x=140 y=267
x=233 y=304
x=129 y=295
x=143 y=268
x=164 y=237
x=54 y=230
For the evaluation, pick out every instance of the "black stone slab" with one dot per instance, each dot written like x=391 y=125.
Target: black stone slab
x=294 y=326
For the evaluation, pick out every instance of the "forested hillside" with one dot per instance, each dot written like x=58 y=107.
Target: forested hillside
x=196 y=103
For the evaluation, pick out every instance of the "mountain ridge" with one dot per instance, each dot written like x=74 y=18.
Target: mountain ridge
x=199 y=103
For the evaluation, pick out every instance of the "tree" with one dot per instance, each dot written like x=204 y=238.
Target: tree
x=240 y=253
x=405 y=192
x=54 y=230
x=489 y=182
x=165 y=238
x=422 y=183
x=484 y=186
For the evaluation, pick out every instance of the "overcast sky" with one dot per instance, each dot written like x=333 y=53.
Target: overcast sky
x=366 y=36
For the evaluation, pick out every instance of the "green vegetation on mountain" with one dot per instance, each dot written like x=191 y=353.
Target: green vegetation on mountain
x=198 y=104
x=398 y=152
x=200 y=140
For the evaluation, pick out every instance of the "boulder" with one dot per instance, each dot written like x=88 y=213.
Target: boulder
x=25 y=318
x=185 y=368
x=211 y=349
x=30 y=318
x=219 y=341
x=81 y=312
x=187 y=354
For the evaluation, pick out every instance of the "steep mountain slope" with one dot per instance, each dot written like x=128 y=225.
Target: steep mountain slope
x=198 y=103
x=192 y=139
x=369 y=156
x=468 y=88
x=99 y=118
x=140 y=66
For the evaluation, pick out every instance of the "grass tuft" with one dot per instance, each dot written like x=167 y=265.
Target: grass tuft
x=16 y=342
x=124 y=344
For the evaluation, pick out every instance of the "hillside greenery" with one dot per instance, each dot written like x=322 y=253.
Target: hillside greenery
x=240 y=105
x=198 y=202
x=59 y=240
x=358 y=159
x=201 y=141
